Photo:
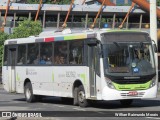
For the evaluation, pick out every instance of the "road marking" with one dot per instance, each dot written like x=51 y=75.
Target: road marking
x=153 y=118
x=58 y=105
x=79 y=109
x=100 y=112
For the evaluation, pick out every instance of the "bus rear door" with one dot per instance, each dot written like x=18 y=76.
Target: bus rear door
x=11 y=68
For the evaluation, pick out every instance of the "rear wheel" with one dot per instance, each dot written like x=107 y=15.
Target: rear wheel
x=82 y=101
x=75 y=95
x=126 y=103
x=29 y=93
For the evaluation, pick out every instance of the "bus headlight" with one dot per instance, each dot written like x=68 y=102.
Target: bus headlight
x=153 y=82
x=110 y=84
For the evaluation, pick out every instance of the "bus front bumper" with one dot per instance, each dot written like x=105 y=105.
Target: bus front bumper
x=112 y=94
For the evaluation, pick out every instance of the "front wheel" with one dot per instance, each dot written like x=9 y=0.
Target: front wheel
x=29 y=93
x=82 y=101
x=126 y=103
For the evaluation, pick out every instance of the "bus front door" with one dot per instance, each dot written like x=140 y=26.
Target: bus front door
x=92 y=69
x=11 y=67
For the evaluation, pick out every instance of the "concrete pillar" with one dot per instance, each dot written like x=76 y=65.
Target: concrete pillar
x=114 y=18
x=86 y=23
x=58 y=20
x=114 y=1
x=100 y=18
x=44 y=19
x=153 y=31
x=72 y=20
x=140 y=22
x=0 y=15
x=29 y=17
x=125 y=1
x=127 y=22
x=14 y=20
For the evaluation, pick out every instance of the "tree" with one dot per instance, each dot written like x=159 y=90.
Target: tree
x=27 y=28
x=158 y=2
x=3 y=37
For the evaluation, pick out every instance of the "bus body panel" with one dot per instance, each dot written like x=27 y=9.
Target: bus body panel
x=5 y=78
x=52 y=80
x=98 y=88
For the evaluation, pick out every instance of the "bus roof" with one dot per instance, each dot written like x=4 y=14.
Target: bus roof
x=122 y=30
x=53 y=36
x=50 y=36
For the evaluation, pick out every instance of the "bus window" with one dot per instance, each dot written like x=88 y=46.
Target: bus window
x=33 y=53
x=75 y=52
x=60 y=53
x=21 y=55
x=46 y=53
x=5 y=55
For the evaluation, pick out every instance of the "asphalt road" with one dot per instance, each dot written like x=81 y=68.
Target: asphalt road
x=0 y=80
x=16 y=102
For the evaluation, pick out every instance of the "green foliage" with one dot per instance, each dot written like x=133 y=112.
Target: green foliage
x=27 y=28
x=3 y=37
x=49 y=1
x=158 y=2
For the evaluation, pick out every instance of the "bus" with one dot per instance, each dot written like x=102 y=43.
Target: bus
x=86 y=66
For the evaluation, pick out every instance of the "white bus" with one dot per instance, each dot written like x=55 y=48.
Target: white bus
x=89 y=65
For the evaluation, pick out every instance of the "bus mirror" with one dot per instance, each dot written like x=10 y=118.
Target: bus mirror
x=155 y=46
x=92 y=43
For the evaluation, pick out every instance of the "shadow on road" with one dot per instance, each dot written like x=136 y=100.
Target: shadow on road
x=98 y=104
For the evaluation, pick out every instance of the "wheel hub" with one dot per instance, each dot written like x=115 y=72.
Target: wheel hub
x=81 y=96
x=28 y=93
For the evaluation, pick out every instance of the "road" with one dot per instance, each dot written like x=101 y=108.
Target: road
x=16 y=102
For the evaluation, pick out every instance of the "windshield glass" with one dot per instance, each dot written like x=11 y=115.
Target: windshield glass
x=128 y=58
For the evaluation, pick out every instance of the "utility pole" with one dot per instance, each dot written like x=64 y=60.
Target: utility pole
x=153 y=28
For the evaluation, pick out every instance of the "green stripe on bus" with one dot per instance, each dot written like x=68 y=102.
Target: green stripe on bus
x=132 y=86
x=17 y=77
x=52 y=76
x=83 y=77
x=81 y=36
x=73 y=37
x=69 y=37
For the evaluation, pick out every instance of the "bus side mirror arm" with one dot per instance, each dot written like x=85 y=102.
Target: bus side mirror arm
x=100 y=50
x=155 y=46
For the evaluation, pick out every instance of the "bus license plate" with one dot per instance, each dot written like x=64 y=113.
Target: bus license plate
x=133 y=93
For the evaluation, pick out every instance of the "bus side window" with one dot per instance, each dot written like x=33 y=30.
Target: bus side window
x=75 y=52
x=33 y=51
x=5 y=55
x=21 y=55
x=45 y=53
x=60 y=53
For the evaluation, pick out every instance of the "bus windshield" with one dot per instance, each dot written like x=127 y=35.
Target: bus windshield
x=128 y=58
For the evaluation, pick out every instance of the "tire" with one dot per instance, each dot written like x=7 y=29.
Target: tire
x=82 y=101
x=75 y=96
x=29 y=93
x=126 y=103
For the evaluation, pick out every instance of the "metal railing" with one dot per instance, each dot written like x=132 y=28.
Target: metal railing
x=82 y=24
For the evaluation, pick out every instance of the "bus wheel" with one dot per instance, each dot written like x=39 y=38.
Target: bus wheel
x=29 y=93
x=82 y=101
x=126 y=103
x=75 y=96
